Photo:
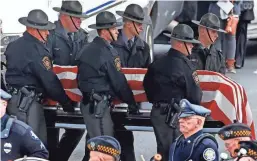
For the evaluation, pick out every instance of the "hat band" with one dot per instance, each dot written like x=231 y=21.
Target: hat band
x=134 y=17
x=210 y=26
x=71 y=11
x=105 y=24
x=181 y=37
x=36 y=23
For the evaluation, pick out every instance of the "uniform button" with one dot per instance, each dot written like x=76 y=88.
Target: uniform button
x=188 y=141
x=70 y=53
x=5 y=134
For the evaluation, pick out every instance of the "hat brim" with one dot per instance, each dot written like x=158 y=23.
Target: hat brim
x=121 y=13
x=49 y=26
x=58 y=9
x=198 y=23
x=94 y=26
x=193 y=41
x=184 y=115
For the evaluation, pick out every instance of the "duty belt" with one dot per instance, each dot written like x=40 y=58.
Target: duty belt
x=15 y=91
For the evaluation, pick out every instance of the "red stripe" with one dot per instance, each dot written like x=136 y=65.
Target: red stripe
x=226 y=90
x=216 y=112
x=69 y=84
x=60 y=69
x=134 y=70
x=136 y=85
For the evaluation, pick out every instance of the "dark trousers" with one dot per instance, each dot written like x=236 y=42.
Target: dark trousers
x=61 y=149
x=241 y=41
x=126 y=140
x=164 y=134
x=35 y=117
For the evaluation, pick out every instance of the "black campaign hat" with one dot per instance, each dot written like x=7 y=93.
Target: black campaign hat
x=210 y=21
x=37 y=19
x=183 y=32
x=133 y=12
x=72 y=8
x=105 y=20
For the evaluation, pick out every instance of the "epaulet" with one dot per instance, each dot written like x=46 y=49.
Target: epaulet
x=20 y=127
x=202 y=138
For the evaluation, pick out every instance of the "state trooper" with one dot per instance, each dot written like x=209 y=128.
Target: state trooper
x=65 y=42
x=17 y=138
x=100 y=78
x=104 y=148
x=232 y=134
x=193 y=144
x=29 y=74
x=205 y=55
x=167 y=81
x=134 y=53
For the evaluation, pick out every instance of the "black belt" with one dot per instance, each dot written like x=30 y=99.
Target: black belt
x=161 y=105
x=87 y=97
x=14 y=91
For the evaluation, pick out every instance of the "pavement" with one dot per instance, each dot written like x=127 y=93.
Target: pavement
x=145 y=143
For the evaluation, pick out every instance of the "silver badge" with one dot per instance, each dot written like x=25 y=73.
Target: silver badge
x=209 y=154
x=92 y=144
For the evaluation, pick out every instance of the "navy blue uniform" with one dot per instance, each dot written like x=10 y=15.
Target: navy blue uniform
x=18 y=139
x=135 y=56
x=29 y=63
x=206 y=150
x=208 y=59
x=64 y=48
x=99 y=69
x=170 y=77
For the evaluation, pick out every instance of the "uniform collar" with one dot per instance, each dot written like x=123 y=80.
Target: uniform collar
x=4 y=120
x=102 y=41
x=193 y=137
x=60 y=29
x=29 y=37
x=125 y=38
x=176 y=53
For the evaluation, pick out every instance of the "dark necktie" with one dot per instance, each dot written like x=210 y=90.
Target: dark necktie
x=130 y=44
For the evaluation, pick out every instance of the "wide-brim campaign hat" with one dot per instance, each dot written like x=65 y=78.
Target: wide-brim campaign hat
x=71 y=8
x=183 y=33
x=210 y=21
x=37 y=19
x=134 y=12
x=105 y=20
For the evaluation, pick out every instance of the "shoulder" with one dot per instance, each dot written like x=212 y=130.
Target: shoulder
x=20 y=127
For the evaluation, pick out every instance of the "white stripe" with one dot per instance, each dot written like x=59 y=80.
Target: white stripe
x=136 y=77
x=67 y=75
x=222 y=102
x=217 y=79
x=75 y=91
x=249 y=116
x=136 y=92
x=62 y=66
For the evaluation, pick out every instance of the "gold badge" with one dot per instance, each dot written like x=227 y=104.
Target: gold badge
x=47 y=63
x=117 y=63
x=196 y=78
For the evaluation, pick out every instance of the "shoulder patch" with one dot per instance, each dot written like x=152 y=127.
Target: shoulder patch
x=209 y=154
x=47 y=63
x=117 y=63
x=195 y=77
x=33 y=135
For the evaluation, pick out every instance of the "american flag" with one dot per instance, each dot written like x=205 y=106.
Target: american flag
x=226 y=98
